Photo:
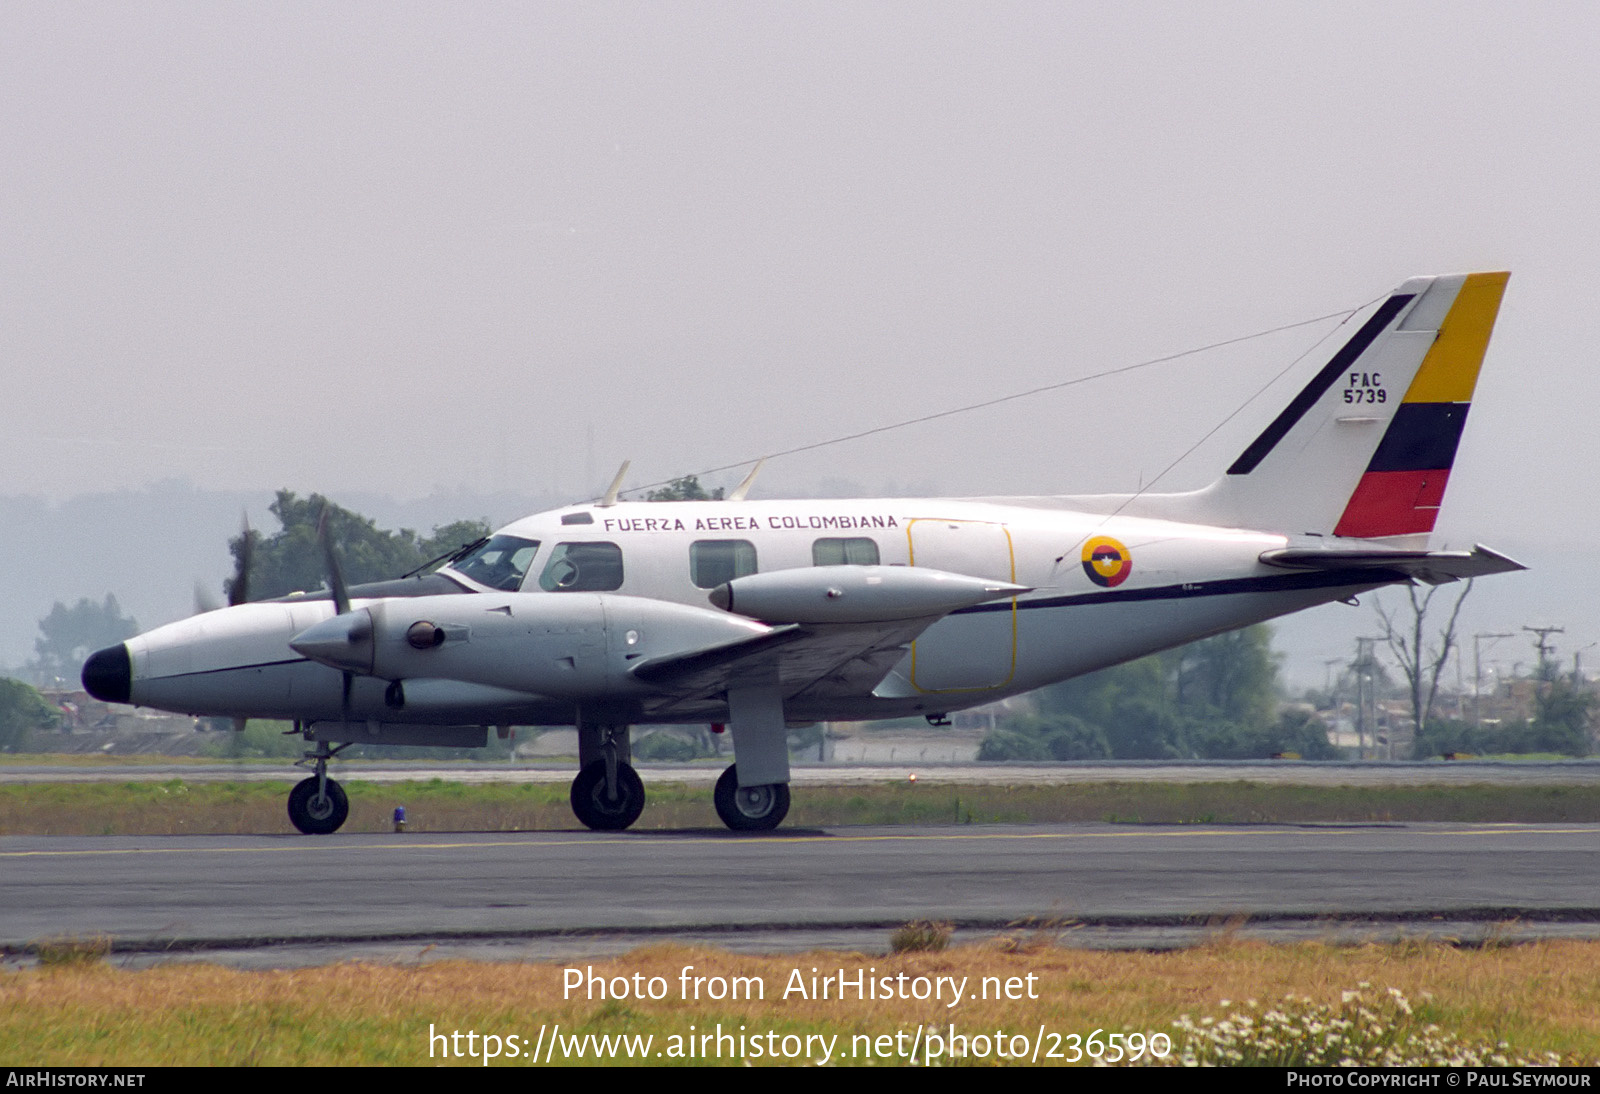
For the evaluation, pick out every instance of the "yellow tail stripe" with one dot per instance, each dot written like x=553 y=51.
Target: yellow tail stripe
x=1450 y=371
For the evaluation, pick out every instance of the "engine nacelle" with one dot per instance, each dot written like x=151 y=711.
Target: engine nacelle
x=856 y=594
x=562 y=645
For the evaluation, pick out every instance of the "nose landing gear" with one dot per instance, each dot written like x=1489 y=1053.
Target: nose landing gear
x=608 y=794
x=607 y=809
x=318 y=805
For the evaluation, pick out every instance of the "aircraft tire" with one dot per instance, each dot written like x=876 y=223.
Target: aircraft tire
x=753 y=808
x=314 y=816
x=589 y=802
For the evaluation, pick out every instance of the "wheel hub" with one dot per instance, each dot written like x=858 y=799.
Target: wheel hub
x=610 y=804
x=754 y=801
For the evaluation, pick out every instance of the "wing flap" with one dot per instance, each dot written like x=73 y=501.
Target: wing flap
x=680 y=671
x=850 y=656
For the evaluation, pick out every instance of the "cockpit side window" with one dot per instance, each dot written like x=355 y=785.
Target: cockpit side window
x=851 y=551
x=500 y=563
x=713 y=562
x=583 y=568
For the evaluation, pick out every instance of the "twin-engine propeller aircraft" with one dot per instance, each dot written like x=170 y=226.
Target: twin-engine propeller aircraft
x=765 y=614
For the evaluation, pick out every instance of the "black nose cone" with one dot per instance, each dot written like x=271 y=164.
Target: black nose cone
x=108 y=674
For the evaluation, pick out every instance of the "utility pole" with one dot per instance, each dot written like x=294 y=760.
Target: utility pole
x=1577 y=664
x=1365 y=694
x=1546 y=650
x=1477 y=672
x=1461 y=691
x=1328 y=683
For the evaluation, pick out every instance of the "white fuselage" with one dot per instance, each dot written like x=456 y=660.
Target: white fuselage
x=1154 y=585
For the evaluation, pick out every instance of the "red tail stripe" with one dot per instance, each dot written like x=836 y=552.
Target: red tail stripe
x=1393 y=503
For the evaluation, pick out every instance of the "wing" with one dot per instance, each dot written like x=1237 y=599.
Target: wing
x=833 y=630
x=1433 y=567
x=809 y=659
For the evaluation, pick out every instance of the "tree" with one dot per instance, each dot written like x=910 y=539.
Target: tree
x=1294 y=731
x=449 y=538
x=1231 y=676
x=1213 y=698
x=1075 y=739
x=22 y=709
x=69 y=635
x=1303 y=733
x=1421 y=666
x=292 y=559
x=1561 y=719
x=1563 y=715
x=1011 y=745
x=687 y=488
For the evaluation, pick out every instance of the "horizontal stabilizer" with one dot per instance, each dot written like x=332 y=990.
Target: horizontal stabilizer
x=1433 y=567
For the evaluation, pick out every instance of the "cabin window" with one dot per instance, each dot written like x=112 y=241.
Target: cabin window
x=714 y=562
x=583 y=568
x=851 y=551
x=500 y=562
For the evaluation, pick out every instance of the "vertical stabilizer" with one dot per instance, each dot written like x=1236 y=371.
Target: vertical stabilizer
x=1403 y=486
x=1365 y=449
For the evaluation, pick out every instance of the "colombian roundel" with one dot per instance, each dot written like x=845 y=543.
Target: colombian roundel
x=1106 y=561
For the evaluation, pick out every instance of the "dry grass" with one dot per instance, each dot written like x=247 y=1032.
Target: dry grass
x=68 y=950
x=921 y=936
x=1538 y=998
x=180 y=807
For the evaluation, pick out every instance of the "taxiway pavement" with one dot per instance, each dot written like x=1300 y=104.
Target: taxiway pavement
x=1280 y=772
x=544 y=894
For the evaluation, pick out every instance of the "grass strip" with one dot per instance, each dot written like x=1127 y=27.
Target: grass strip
x=436 y=805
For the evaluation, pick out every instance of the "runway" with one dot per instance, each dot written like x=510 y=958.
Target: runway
x=293 y=899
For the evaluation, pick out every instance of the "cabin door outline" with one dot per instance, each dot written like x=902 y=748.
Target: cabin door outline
x=972 y=651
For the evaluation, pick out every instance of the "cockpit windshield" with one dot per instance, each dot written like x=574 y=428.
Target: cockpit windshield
x=500 y=562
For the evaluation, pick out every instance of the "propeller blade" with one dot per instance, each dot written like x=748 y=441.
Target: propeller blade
x=239 y=587
x=204 y=599
x=330 y=559
x=341 y=596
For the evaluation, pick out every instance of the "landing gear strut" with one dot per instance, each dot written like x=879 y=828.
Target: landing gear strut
x=750 y=808
x=318 y=805
x=607 y=795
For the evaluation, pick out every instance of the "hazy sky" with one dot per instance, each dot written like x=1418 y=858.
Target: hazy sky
x=392 y=247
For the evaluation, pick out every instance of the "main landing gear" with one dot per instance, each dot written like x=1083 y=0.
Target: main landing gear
x=318 y=805
x=750 y=808
x=608 y=795
x=611 y=809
